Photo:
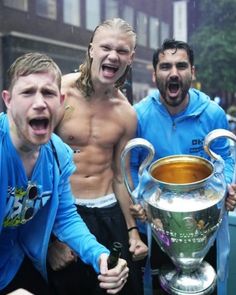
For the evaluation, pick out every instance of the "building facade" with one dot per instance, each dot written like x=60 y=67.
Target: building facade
x=63 y=28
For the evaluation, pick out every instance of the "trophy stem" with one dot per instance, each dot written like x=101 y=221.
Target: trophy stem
x=202 y=281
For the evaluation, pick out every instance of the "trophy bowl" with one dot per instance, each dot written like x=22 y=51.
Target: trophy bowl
x=185 y=212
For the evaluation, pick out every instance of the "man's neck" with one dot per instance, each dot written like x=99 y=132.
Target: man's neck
x=102 y=92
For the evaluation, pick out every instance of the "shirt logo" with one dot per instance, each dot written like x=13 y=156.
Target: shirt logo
x=23 y=204
x=197 y=146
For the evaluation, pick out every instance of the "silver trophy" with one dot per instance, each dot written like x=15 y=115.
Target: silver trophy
x=184 y=199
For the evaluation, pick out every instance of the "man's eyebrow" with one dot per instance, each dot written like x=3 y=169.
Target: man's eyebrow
x=28 y=87
x=165 y=63
x=182 y=63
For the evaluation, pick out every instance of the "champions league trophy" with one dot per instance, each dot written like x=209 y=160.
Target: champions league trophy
x=184 y=199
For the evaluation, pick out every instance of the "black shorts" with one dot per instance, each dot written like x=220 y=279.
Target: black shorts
x=108 y=225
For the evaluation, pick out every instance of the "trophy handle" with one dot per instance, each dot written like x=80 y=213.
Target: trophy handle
x=133 y=143
x=214 y=134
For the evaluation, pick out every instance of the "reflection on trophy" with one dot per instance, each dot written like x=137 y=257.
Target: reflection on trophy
x=184 y=200
x=185 y=215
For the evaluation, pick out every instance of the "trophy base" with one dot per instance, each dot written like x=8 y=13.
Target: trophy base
x=199 y=282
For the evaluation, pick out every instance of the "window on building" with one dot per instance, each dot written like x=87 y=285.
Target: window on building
x=93 y=14
x=46 y=8
x=111 y=9
x=17 y=4
x=165 y=31
x=142 y=28
x=128 y=14
x=153 y=32
x=71 y=12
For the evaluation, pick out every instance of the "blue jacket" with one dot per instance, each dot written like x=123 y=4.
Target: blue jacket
x=184 y=133
x=180 y=134
x=55 y=209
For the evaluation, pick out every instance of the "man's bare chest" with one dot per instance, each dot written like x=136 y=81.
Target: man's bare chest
x=84 y=126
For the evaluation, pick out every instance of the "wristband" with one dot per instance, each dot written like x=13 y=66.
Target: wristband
x=133 y=227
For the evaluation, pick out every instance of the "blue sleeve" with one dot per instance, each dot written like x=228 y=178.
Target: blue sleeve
x=229 y=169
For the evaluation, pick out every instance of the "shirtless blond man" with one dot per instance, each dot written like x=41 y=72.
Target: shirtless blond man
x=97 y=123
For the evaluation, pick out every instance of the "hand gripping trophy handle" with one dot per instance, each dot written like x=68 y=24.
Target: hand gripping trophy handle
x=136 y=143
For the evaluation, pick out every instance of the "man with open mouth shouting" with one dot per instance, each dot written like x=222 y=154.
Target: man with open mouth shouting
x=97 y=121
x=175 y=119
x=35 y=166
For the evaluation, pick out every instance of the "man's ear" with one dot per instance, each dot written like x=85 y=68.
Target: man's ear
x=132 y=57
x=62 y=98
x=193 y=73
x=90 y=50
x=6 y=96
x=154 y=77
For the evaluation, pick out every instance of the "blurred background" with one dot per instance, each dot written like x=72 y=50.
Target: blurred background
x=62 y=29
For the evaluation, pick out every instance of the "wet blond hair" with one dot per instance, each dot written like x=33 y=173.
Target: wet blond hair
x=84 y=82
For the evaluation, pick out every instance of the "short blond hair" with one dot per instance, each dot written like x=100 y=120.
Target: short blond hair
x=30 y=63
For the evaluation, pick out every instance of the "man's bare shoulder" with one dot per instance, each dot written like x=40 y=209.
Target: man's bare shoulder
x=126 y=108
x=69 y=80
x=69 y=87
x=124 y=100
